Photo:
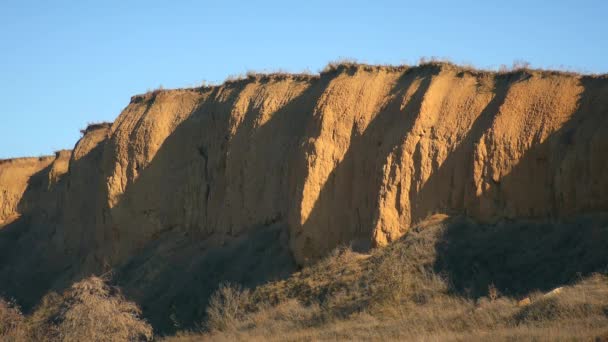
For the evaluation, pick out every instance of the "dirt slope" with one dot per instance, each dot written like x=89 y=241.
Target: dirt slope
x=357 y=154
x=17 y=174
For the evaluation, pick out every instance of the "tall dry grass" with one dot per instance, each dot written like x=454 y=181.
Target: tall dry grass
x=398 y=293
x=11 y=321
x=227 y=306
x=579 y=312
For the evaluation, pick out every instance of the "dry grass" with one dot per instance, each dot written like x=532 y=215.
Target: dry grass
x=92 y=310
x=351 y=65
x=444 y=319
x=11 y=321
x=227 y=306
x=401 y=292
x=89 y=311
x=265 y=76
x=396 y=294
x=91 y=126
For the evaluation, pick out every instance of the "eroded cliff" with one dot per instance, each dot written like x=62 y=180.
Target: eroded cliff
x=355 y=155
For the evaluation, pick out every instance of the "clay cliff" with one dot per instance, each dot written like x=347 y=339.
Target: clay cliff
x=355 y=155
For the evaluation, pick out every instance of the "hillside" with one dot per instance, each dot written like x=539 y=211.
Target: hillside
x=251 y=180
x=424 y=288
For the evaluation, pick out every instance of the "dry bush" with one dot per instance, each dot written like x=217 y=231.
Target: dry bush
x=485 y=83
x=91 y=126
x=286 y=316
x=493 y=292
x=273 y=75
x=235 y=78
x=433 y=60
x=90 y=310
x=11 y=321
x=339 y=258
x=42 y=324
x=150 y=94
x=520 y=64
x=227 y=306
x=589 y=298
x=403 y=272
x=93 y=310
x=346 y=64
x=338 y=63
x=396 y=282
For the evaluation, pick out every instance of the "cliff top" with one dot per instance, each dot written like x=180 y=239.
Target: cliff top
x=347 y=66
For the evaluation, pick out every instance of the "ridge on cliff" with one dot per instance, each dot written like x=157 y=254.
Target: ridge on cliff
x=249 y=180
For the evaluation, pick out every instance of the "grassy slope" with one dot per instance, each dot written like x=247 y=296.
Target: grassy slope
x=449 y=279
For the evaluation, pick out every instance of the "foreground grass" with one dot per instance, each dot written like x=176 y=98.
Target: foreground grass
x=403 y=292
x=447 y=280
x=577 y=313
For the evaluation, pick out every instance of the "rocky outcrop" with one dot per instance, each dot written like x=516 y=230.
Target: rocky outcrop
x=19 y=173
x=358 y=155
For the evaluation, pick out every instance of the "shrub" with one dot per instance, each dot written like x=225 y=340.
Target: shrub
x=226 y=307
x=493 y=292
x=91 y=126
x=11 y=321
x=90 y=310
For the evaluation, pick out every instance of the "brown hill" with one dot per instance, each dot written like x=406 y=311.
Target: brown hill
x=195 y=186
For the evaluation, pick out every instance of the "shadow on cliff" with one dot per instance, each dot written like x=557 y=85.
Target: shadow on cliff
x=546 y=246
x=28 y=261
x=522 y=256
x=564 y=174
x=444 y=189
x=35 y=256
x=366 y=156
x=182 y=247
x=169 y=266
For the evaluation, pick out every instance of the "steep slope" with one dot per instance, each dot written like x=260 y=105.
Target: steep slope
x=14 y=177
x=356 y=155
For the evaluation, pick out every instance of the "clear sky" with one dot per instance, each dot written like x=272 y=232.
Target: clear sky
x=66 y=63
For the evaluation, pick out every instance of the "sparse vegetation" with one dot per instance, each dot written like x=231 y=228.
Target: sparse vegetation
x=401 y=292
x=11 y=321
x=262 y=76
x=227 y=306
x=91 y=126
x=398 y=293
x=492 y=292
x=351 y=65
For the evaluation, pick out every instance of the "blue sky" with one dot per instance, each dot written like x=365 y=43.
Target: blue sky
x=66 y=63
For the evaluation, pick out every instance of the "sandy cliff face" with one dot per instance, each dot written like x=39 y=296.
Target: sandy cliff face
x=357 y=154
x=16 y=175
